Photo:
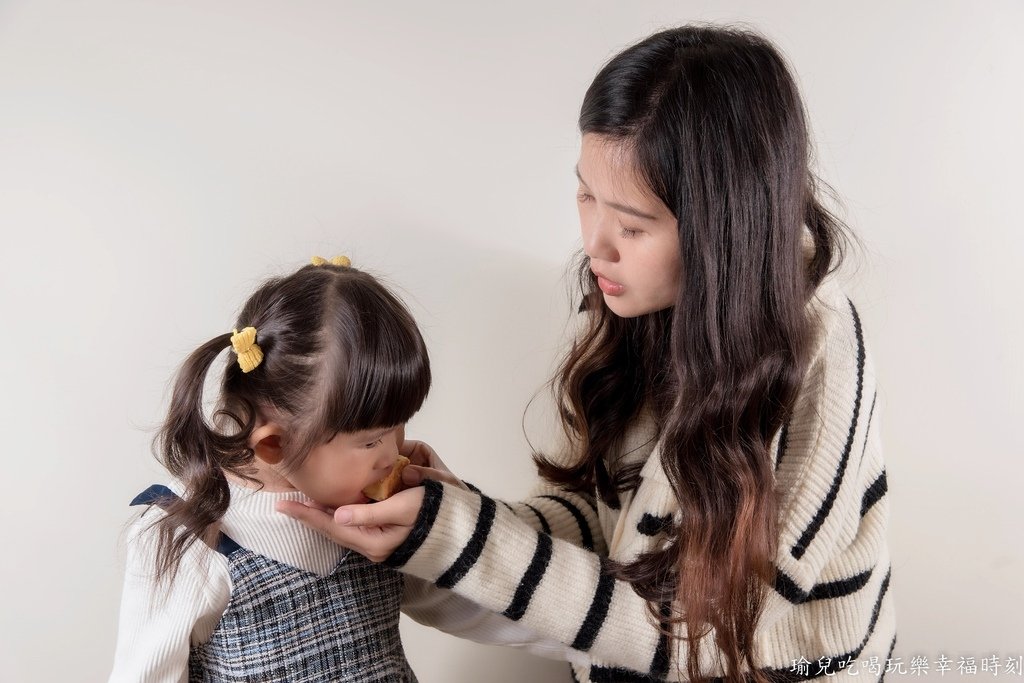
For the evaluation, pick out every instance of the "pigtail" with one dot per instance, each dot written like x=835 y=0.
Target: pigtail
x=198 y=454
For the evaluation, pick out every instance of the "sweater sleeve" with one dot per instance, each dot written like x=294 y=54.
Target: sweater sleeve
x=158 y=622
x=467 y=542
x=832 y=595
x=562 y=514
x=563 y=593
x=447 y=611
x=831 y=600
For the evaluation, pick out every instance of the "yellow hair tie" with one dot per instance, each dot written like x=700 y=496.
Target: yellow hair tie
x=342 y=261
x=243 y=343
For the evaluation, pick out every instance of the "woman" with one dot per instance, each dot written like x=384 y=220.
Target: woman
x=719 y=508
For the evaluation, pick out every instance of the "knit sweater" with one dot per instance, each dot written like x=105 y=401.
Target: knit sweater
x=543 y=562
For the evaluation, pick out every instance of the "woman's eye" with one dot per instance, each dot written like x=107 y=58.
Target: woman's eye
x=628 y=232
x=583 y=197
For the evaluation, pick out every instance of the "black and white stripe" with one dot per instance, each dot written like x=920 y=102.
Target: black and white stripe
x=617 y=674
x=471 y=552
x=421 y=528
x=652 y=525
x=598 y=609
x=892 y=646
x=531 y=579
x=874 y=493
x=783 y=442
x=836 y=663
x=787 y=588
x=543 y=521
x=586 y=537
x=811 y=531
x=660 y=663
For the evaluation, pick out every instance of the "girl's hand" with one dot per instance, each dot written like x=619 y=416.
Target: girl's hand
x=374 y=530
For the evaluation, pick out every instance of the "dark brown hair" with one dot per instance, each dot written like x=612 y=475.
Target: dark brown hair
x=341 y=354
x=714 y=125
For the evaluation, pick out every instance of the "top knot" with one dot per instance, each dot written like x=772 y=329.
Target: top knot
x=342 y=261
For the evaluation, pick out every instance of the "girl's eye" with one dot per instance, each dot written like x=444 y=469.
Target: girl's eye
x=628 y=232
x=376 y=443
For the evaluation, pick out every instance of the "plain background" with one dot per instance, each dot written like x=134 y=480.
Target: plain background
x=157 y=159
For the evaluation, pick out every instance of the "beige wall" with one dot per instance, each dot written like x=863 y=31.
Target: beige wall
x=156 y=159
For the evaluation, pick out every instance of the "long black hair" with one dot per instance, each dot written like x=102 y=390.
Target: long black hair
x=713 y=123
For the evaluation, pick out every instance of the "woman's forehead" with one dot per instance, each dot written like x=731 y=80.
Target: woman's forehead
x=607 y=167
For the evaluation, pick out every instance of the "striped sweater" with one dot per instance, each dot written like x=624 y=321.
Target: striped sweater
x=543 y=561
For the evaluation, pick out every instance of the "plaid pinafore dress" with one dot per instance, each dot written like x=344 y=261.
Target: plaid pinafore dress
x=283 y=624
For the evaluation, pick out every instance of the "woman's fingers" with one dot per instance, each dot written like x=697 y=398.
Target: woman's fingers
x=317 y=506
x=396 y=510
x=418 y=452
x=422 y=455
x=428 y=465
x=309 y=514
x=413 y=475
x=373 y=530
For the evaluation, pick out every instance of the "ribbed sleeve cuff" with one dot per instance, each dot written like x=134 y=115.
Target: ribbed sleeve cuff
x=421 y=528
x=448 y=536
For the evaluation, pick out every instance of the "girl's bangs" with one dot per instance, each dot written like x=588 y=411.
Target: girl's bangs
x=383 y=389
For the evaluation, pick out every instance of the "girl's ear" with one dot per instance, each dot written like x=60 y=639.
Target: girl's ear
x=266 y=443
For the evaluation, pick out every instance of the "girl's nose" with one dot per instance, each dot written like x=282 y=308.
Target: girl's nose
x=389 y=454
x=386 y=462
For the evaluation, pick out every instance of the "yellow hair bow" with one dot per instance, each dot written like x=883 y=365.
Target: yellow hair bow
x=249 y=353
x=343 y=261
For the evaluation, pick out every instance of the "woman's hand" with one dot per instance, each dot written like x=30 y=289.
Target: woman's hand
x=425 y=464
x=375 y=530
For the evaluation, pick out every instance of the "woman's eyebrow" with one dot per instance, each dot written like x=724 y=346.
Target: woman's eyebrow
x=576 y=169
x=624 y=208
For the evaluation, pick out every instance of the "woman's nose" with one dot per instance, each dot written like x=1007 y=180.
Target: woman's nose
x=597 y=238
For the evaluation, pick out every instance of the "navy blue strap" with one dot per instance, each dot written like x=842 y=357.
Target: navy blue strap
x=157 y=494
x=226 y=545
x=161 y=496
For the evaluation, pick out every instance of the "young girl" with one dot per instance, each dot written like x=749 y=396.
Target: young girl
x=720 y=510
x=327 y=367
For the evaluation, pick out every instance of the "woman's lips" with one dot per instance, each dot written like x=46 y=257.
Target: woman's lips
x=609 y=287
